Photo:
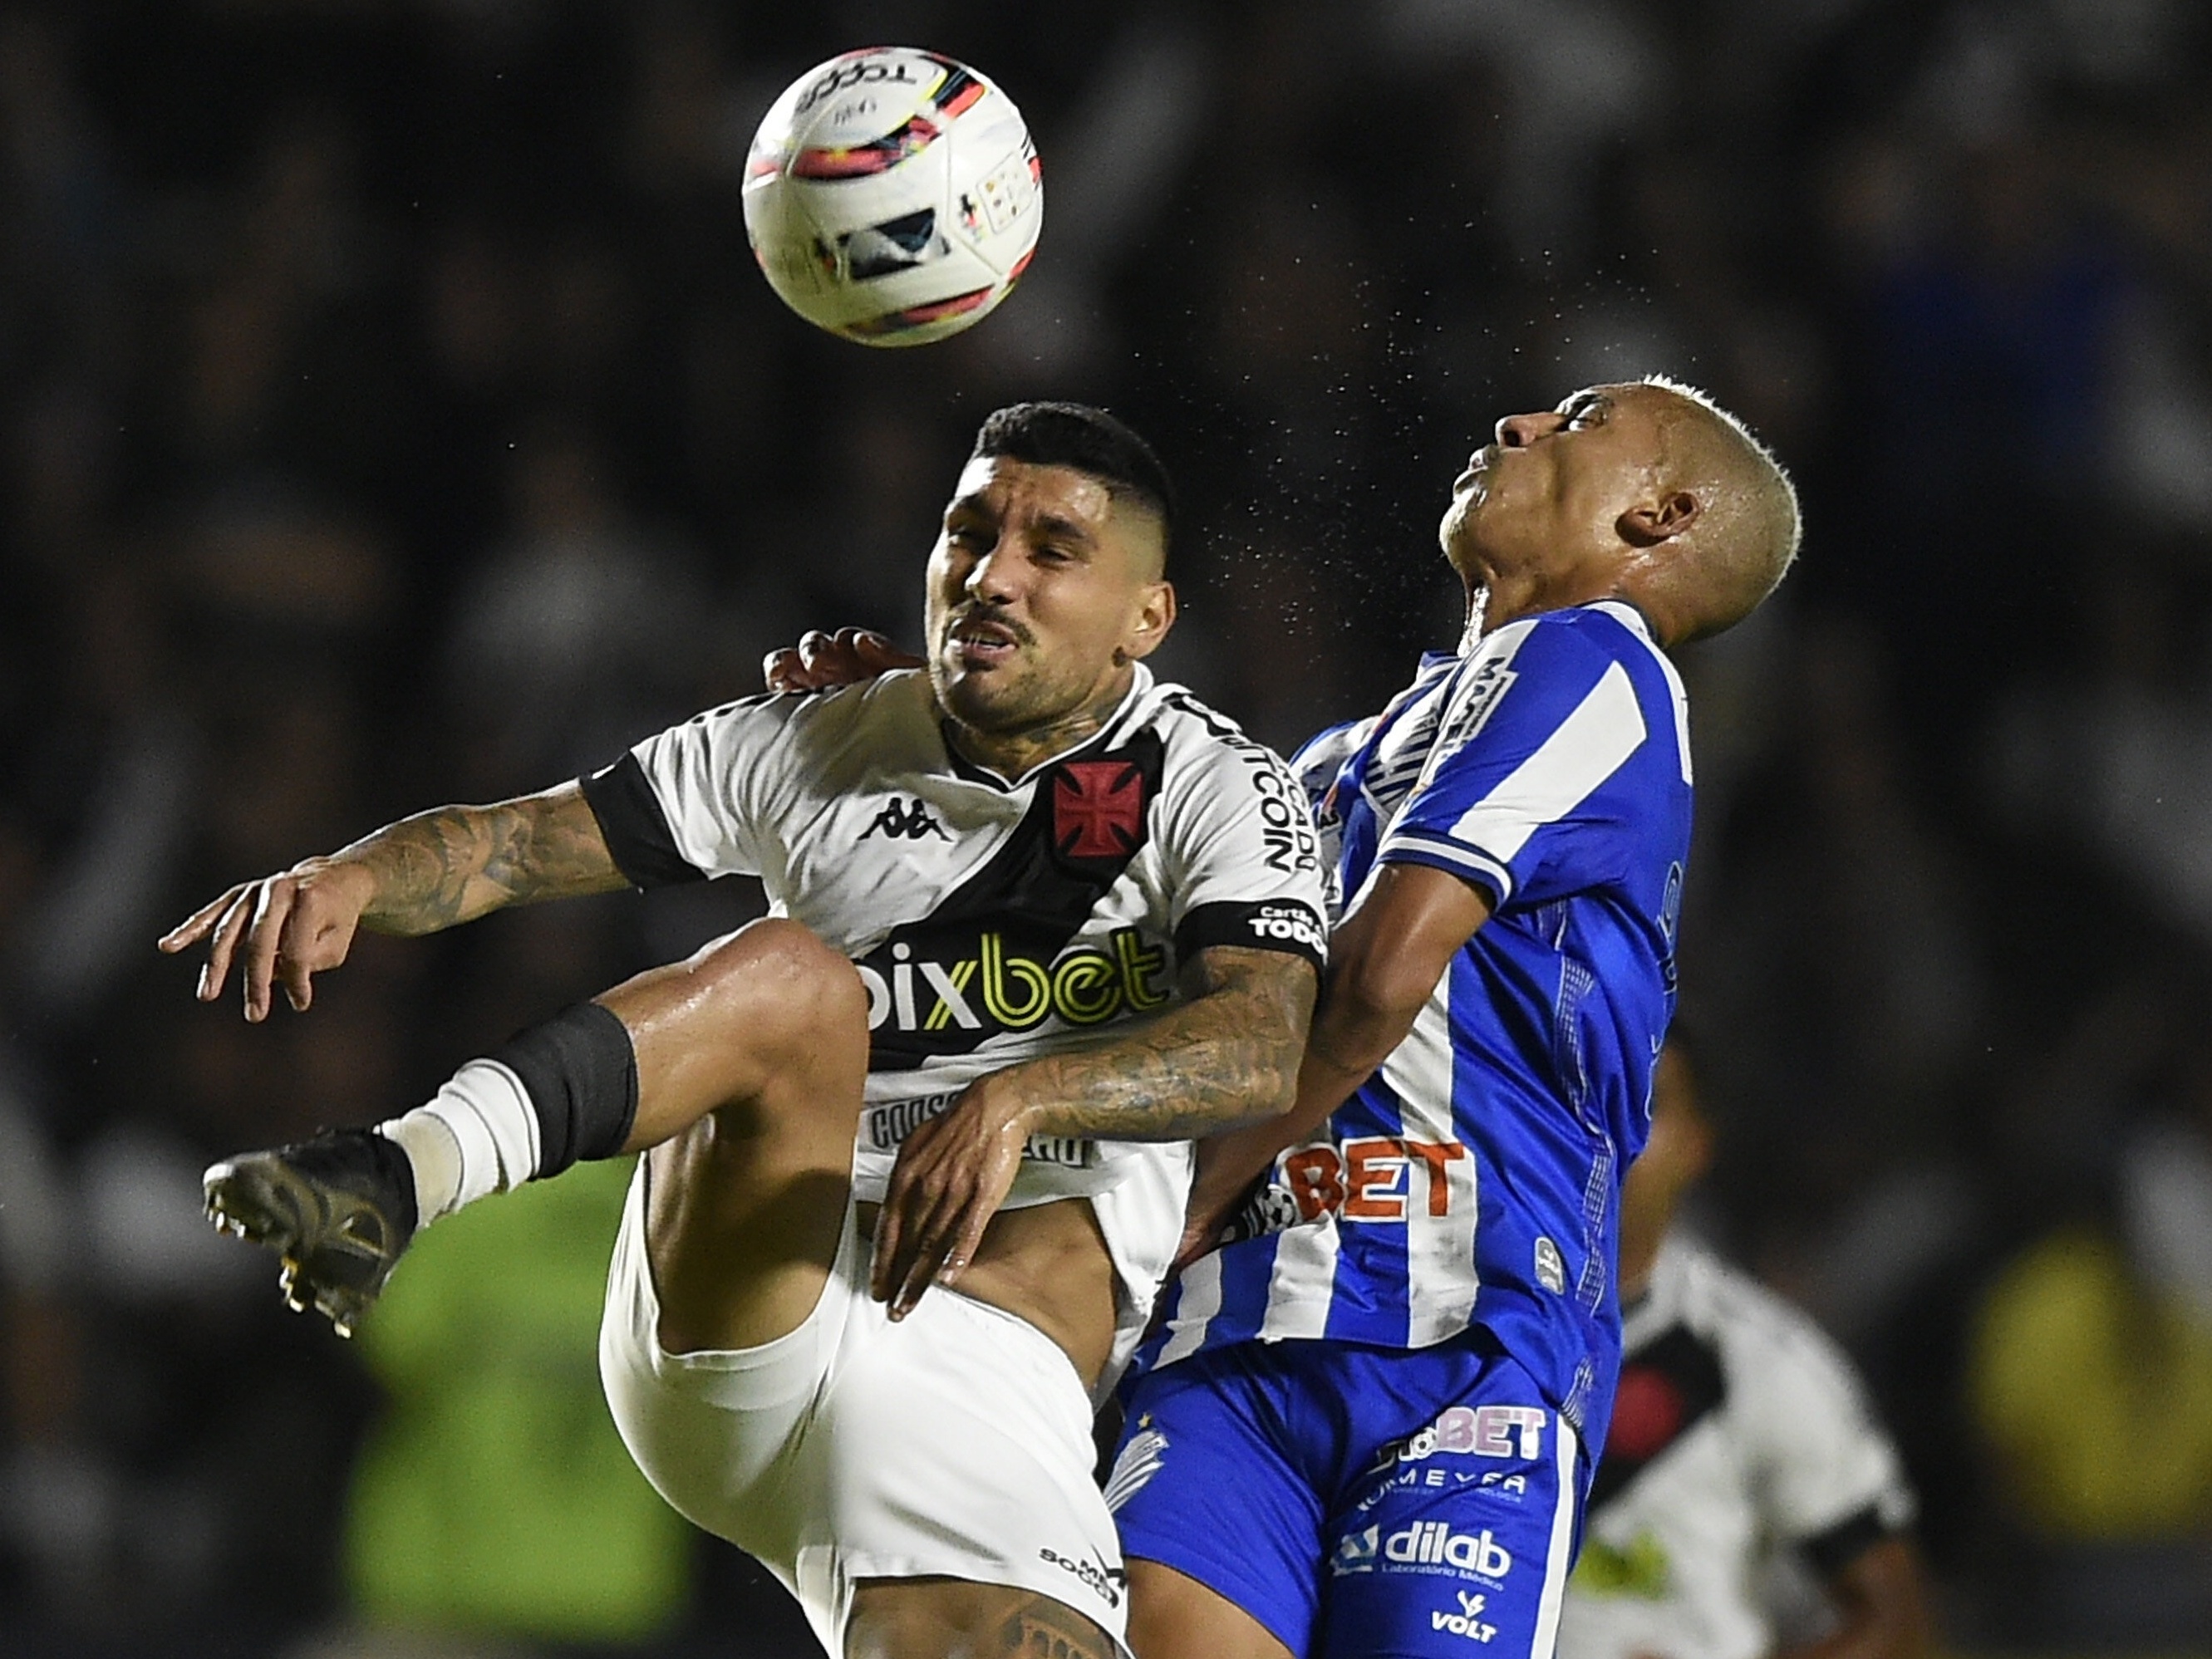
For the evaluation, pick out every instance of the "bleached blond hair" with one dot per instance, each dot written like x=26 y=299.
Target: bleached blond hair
x=1751 y=526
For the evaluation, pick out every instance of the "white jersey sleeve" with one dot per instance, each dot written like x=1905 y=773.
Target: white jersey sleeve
x=697 y=800
x=1828 y=1480
x=1242 y=861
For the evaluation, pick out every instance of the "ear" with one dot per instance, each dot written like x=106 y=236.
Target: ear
x=1650 y=523
x=1155 y=614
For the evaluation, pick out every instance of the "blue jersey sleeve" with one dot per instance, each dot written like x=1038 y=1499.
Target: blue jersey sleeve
x=1513 y=797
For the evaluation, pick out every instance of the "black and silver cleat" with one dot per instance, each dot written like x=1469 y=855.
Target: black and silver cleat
x=339 y=1210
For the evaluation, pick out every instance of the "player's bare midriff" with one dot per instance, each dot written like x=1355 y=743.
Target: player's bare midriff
x=1045 y=1263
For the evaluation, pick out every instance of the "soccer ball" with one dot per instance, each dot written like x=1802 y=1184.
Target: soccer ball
x=892 y=195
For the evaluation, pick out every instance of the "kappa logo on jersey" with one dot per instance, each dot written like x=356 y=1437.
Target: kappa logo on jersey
x=1098 y=808
x=910 y=822
x=1370 y=1179
x=1467 y=1621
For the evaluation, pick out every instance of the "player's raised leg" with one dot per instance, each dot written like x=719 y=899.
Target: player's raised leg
x=746 y=1062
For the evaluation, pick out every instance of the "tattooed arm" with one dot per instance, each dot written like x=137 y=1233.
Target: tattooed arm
x=1227 y=1055
x=450 y=865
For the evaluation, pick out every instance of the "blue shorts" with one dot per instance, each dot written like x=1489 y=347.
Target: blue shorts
x=1356 y=1501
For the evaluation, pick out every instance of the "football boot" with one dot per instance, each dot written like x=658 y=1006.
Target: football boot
x=339 y=1210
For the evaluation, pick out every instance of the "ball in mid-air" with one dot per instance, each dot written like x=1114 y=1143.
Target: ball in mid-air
x=892 y=195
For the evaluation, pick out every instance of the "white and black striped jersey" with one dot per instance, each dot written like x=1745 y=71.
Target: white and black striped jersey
x=1739 y=1435
x=992 y=920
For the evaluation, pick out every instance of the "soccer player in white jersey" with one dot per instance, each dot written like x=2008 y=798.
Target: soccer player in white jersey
x=1742 y=1460
x=1426 y=1242
x=1036 y=921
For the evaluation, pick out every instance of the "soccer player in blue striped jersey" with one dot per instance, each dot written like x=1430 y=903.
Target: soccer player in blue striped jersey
x=1369 y=1418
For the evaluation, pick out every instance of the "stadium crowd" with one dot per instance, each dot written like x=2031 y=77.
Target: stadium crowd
x=390 y=410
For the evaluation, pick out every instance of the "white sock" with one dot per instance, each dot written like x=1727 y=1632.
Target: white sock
x=479 y=1134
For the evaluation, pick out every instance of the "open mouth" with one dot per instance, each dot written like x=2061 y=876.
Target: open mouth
x=980 y=642
x=1477 y=465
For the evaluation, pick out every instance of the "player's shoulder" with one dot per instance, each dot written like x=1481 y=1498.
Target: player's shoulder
x=1601 y=632
x=811 y=734
x=1198 y=735
x=896 y=701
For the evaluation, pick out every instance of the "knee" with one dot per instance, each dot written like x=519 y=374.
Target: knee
x=784 y=983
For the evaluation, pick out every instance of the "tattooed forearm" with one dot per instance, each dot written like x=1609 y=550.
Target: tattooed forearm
x=1043 y=1629
x=454 y=864
x=1227 y=1055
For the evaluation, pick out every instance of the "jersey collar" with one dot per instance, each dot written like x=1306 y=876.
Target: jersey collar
x=1140 y=684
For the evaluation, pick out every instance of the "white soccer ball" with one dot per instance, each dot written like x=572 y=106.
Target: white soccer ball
x=892 y=195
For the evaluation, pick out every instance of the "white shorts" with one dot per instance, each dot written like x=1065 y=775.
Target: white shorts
x=956 y=1443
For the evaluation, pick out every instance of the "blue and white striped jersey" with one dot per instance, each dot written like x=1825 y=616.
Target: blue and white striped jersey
x=1472 y=1180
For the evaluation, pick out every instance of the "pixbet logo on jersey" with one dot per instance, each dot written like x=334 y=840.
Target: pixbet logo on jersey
x=997 y=988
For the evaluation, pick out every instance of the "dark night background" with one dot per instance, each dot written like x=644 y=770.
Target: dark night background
x=391 y=413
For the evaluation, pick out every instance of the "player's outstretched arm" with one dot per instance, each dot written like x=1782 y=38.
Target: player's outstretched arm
x=1228 y=1054
x=450 y=865
x=1384 y=961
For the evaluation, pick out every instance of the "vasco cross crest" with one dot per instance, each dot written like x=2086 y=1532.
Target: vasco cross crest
x=1098 y=809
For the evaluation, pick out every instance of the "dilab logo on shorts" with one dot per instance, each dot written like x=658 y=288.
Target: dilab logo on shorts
x=1467 y=1621
x=1425 y=1544
x=1433 y=1543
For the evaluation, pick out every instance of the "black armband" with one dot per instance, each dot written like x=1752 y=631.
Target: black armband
x=1282 y=925
x=1832 y=1551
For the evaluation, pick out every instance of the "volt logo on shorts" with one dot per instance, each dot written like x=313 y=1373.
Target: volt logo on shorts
x=1467 y=1621
x=1100 y=1580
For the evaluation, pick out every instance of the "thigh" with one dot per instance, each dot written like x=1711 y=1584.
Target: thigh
x=1212 y=1483
x=758 y=1050
x=1460 y=1536
x=939 y=1618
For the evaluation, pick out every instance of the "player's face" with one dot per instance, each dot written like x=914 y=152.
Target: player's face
x=1042 y=590
x=1553 y=488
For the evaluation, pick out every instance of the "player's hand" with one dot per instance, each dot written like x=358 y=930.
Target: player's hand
x=1215 y=1198
x=1201 y=1235
x=282 y=929
x=821 y=661
x=952 y=1174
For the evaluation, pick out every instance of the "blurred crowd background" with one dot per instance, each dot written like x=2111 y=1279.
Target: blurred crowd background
x=391 y=413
